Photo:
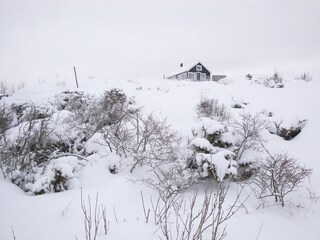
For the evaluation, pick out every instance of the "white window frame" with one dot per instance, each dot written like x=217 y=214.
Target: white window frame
x=202 y=77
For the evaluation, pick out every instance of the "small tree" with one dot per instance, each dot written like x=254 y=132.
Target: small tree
x=279 y=175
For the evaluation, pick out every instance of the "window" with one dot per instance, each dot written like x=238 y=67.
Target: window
x=203 y=77
x=184 y=76
x=192 y=76
x=199 y=68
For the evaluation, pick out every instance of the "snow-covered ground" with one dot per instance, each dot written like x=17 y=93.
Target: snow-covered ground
x=59 y=215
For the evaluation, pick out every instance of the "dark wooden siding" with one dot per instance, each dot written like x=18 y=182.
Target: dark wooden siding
x=194 y=70
x=204 y=70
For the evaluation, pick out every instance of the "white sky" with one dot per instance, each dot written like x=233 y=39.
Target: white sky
x=43 y=39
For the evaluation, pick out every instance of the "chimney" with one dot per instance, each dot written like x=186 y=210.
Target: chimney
x=181 y=64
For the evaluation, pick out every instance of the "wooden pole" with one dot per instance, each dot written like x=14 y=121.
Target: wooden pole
x=75 y=75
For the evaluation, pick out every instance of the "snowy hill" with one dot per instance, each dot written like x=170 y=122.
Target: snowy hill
x=59 y=215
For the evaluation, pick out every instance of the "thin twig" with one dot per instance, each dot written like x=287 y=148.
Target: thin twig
x=13 y=235
x=115 y=215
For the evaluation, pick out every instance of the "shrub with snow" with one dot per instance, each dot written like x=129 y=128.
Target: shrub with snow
x=72 y=101
x=216 y=133
x=57 y=177
x=211 y=108
x=275 y=81
x=5 y=119
x=286 y=131
x=239 y=104
x=210 y=154
x=33 y=136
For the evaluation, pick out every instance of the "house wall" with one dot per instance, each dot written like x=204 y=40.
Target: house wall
x=218 y=77
x=183 y=76
x=205 y=74
x=203 y=71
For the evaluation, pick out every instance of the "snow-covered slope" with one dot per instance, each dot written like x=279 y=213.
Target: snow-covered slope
x=59 y=215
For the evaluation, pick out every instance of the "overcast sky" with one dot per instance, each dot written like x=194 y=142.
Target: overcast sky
x=148 y=38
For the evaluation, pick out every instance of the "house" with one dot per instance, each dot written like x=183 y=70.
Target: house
x=194 y=72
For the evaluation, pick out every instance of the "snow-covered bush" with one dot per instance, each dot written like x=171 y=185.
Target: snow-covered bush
x=11 y=115
x=211 y=108
x=275 y=81
x=210 y=154
x=33 y=136
x=287 y=132
x=72 y=101
x=58 y=176
x=239 y=104
x=117 y=105
x=217 y=149
x=85 y=110
x=246 y=169
x=216 y=133
x=23 y=112
x=26 y=147
x=5 y=119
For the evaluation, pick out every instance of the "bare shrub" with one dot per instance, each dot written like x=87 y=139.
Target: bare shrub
x=120 y=122
x=248 y=76
x=304 y=77
x=4 y=87
x=204 y=215
x=249 y=130
x=93 y=215
x=118 y=137
x=156 y=142
x=278 y=175
x=21 y=85
x=211 y=108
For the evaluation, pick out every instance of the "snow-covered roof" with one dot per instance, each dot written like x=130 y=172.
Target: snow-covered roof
x=185 y=68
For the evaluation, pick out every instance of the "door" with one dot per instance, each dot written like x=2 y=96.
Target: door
x=198 y=76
